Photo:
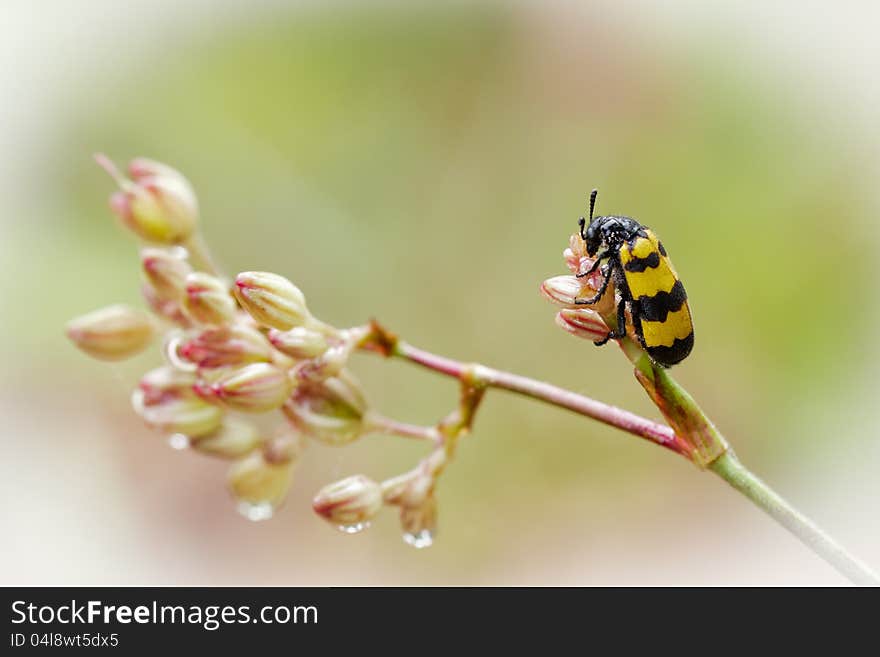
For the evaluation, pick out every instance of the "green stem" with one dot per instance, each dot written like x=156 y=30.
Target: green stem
x=729 y=468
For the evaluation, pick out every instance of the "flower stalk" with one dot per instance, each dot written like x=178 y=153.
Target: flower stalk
x=702 y=444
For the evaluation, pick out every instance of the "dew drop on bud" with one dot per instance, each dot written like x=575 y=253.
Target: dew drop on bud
x=256 y=512
x=420 y=539
x=178 y=441
x=354 y=528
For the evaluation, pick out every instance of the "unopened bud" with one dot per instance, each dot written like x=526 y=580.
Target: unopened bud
x=258 y=484
x=350 y=503
x=331 y=411
x=272 y=300
x=141 y=167
x=166 y=382
x=299 y=342
x=563 y=290
x=170 y=309
x=419 y=523
x=287 y=444
x=166 y=270
x=189 y=416
x=255 y=388
x=235 y=344
x=207 y=299
x=235 y=438
x=582 y=322
x=112 y=333
x=159 y=205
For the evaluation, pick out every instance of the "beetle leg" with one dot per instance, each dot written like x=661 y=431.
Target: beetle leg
x=599 y=294
x=593 y=268
x=621 y=325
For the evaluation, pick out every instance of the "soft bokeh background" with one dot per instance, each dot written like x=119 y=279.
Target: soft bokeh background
x=426 y=166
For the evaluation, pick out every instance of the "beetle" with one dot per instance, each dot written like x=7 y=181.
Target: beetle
x=637 y=263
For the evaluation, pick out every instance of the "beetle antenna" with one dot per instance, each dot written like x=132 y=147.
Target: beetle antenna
x=593 y=195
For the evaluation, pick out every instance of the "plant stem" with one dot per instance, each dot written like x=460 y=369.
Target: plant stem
x=729 y=468
x=200 y=255
x=724 y=464
x=611 y=415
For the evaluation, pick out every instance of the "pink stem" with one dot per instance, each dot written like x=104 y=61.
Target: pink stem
x=610 y=415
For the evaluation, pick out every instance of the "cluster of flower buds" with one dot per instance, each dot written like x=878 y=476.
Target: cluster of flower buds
x=587 y=322
x=236 y=349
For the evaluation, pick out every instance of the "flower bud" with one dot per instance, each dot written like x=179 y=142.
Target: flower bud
x=576 y=257
x=189 y=416
x=226 y=345
x=166 y=382
x=159 y=205
x=582 y=322
x=563 y=290
x=331 y=411
x=255 y=388
x=170 y=309
x=112 y=333
x=166 y=270
x=207 y=299
x=234 y=439
x=419 y=523
x=258 y=484
x=272 y=300
x=299 y=342
x=288 y=444
x=141 y=167
x=349 y=504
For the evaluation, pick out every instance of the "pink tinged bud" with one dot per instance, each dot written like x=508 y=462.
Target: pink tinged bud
x=159 y=205
x=299 y=342
x=331 y=411
x=142 y=167
x=226 y=345
x=583 y=323
x=189 y=416
x=165 y=383
x=234 y=439
x=254 y=388
x=419 y=523
x=167 y=308
x=166 y=270
x=563 y=290
x=288 y=444
x=207 y=299
x=112 y=333
x=259 y=485
x=576 y=258
x=272 y=300
x=349 y=504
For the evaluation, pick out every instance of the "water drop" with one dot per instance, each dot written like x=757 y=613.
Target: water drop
x=354 y=528
x=420 y=539
x=256 y=512
x=178 y=441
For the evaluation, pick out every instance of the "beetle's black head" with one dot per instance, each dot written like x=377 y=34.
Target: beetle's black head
x=593 y=236
x=610 y=231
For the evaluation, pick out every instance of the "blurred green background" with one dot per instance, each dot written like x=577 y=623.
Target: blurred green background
x=426 y=167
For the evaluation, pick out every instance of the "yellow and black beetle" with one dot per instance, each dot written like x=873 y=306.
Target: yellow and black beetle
x=644 y=278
